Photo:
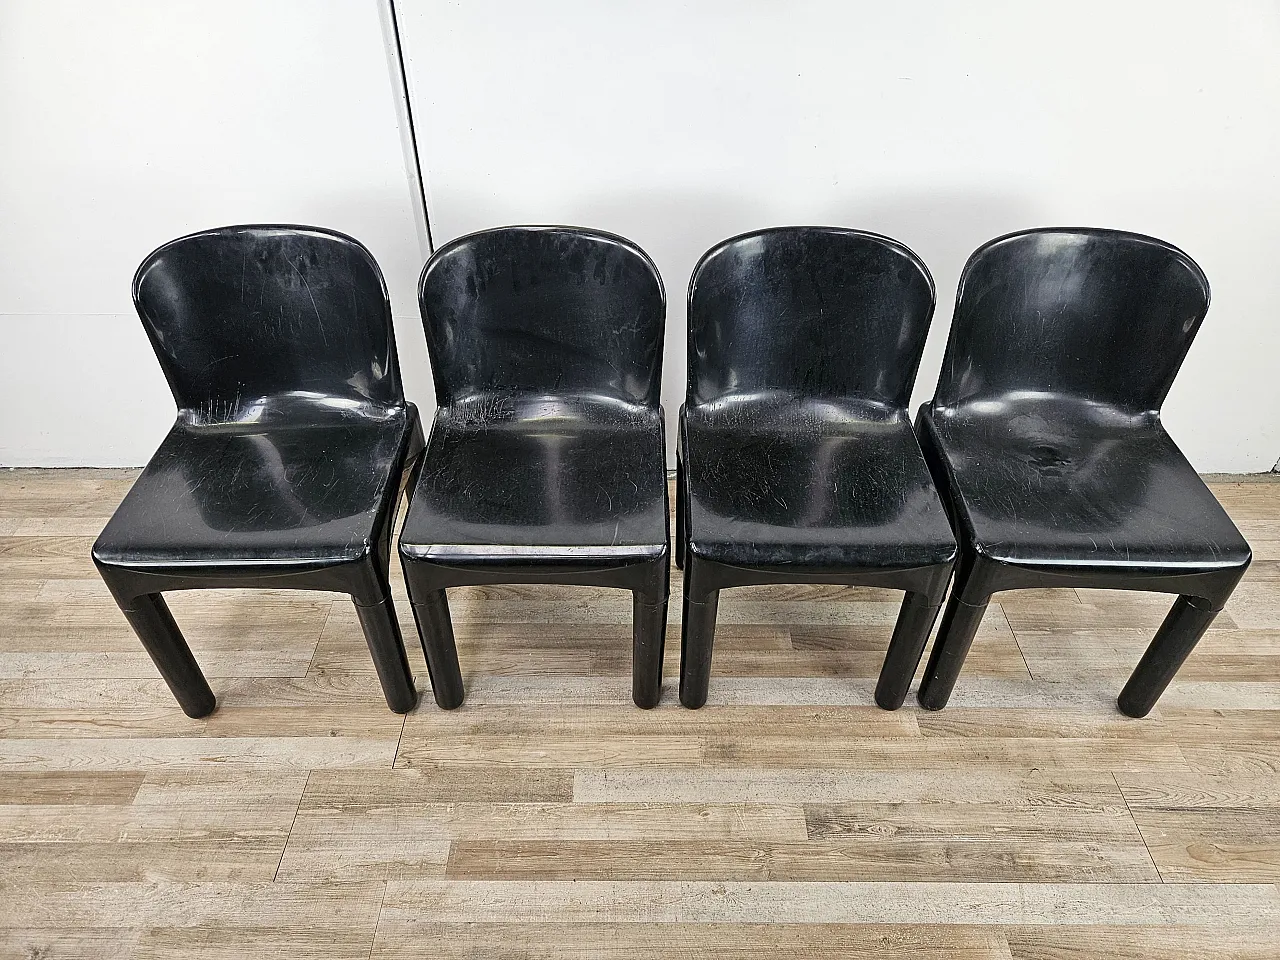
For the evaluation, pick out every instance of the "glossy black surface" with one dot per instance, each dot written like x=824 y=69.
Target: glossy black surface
x=797 y=461
x=291 y=444
x=1045 y=432
x=546 y=461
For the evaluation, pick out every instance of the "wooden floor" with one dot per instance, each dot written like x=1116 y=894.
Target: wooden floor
x=548 y=817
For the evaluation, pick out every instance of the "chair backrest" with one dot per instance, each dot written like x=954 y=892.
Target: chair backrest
x=543 y=310
x=819 y=311
x=241 y=314
x=1100 y=316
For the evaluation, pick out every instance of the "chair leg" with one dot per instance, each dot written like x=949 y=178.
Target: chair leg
x=649 y=633
x=915 y=622
x=680 y=519
x=435 y=631
x=959 y=625
x=697 y=635
x=386 y=646
x=1182 y=629
x=153 y=623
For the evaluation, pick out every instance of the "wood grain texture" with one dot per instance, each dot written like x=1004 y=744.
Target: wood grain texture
x=547 y=817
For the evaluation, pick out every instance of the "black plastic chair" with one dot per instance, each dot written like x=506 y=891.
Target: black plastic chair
x=546 y=461
x=1045 y=436
x=797 y=462
x=291 y=445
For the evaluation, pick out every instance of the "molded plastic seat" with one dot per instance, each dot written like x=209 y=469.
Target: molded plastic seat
x=1043 y=488
x=797 y=458
x=546 y=460
x=596 y=468
x=273 y=500
x=816 y=486
x=292 y=442
x=1045 y=433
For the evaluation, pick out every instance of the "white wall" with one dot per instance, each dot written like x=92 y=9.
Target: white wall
x=943 y=125
x=128 y=123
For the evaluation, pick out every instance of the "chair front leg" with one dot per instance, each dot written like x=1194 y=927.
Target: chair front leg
x=910 y=635
x=697 y=635
x=649 y=633
x=1182 y=629
x=151 y=620
x=649 y=630
x=970 y=594
x=386 y=647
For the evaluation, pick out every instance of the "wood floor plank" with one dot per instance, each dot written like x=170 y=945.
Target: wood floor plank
x=257 y=943
x=135 y=664
x=39 y=558
x=339 y=789
x=212 y=620
x=816 y=786
x=161 y=823
x=662 y=902
x=859 y=649
x=184 y=943
x=403 y=940
x=62 y=724
x=1064 y=654
x=1030 y=823
x=1085 y=609
x=74 y=943
x=863 y=858
x=1194 y=791
x=552 y=821
x=161 y=903
x=1248 y=942
x=135 y=861
x=1223 y=845
x=799 y=750
x=143 y=753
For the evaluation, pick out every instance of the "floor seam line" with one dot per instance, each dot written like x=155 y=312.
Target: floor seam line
x=1026 y=665
x=315 y=652
x=1141 y=836
x=289 y=836
x=377 y=920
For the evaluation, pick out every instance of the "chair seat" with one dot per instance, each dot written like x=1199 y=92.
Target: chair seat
x=811 y=485
x=1068 y=486
x=246 y=494
x=540 y=480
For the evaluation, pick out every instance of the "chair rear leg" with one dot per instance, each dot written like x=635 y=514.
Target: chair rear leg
x=915 y=622
x=959 y=625
x=386 y=646
x=649 y=633
x=1182 y=629
x=435 y=631
x=681 y=525
x=153 y=623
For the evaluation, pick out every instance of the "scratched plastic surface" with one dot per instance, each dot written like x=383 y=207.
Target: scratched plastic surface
x=291 y=443
x=1047 y=412
x=546 y=346
x=797 y=443
x=797 y=457
x=1046 y=434
x=546 y=459
x=291 y=421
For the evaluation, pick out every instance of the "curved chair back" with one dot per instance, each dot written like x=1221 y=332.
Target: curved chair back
x=241 y=314
x=543 y=310
x=819 y=311
x=1100 y=316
